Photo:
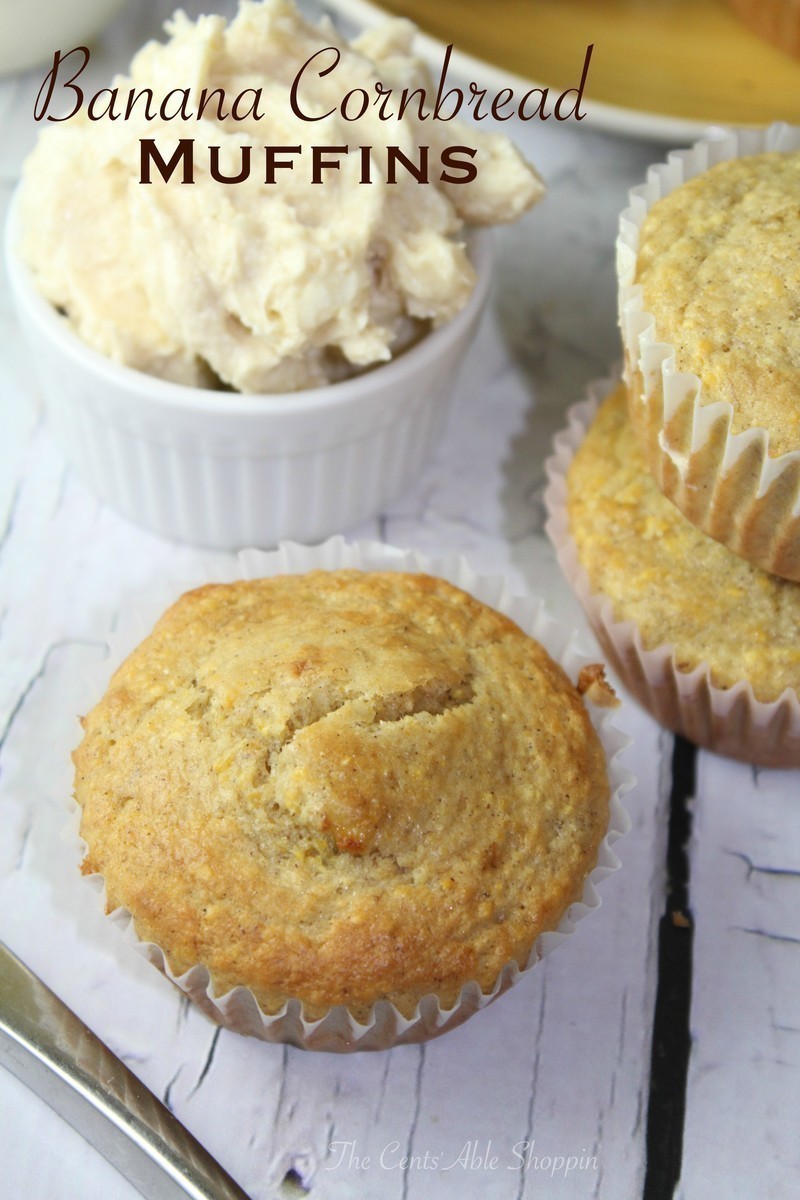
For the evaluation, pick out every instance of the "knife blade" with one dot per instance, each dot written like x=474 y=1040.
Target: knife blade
x=50 y=1050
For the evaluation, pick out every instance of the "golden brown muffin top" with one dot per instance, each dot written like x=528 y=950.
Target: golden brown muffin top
x=677 y=584
x=341 y=787
x=719 y=267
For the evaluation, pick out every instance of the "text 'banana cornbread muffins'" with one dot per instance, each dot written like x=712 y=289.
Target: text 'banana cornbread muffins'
x=705 y=641
x=340 y=789
x=709 y=270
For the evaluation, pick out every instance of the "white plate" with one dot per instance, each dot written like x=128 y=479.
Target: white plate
x=742 y=80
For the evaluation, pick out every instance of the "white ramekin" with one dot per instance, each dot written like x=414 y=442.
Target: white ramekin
x=227 y=470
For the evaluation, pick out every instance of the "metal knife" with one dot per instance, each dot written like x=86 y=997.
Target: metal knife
x=45 y=1045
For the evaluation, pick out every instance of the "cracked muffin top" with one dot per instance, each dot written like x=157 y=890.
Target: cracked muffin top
x=719 y=267
x=341 y=787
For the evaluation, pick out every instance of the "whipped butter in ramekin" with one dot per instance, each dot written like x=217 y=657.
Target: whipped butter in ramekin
x=235 y=363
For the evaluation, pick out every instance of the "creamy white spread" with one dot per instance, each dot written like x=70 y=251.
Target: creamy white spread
x=260 y=287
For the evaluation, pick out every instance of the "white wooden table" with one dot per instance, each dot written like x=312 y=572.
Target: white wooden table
x=562 y=1063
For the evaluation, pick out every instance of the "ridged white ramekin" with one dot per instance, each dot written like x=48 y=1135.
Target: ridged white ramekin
x=227 y=470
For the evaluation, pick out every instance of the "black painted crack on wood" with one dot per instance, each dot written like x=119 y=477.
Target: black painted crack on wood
x=209 y=1060
x=292 y=1185
x=671 y=1044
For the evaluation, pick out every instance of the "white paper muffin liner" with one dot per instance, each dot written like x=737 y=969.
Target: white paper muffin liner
x=724 y=483
x=731 y=721
x=338 y=1030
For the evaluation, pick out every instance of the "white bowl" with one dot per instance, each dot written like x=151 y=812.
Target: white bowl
x=227 y=470
x=33 y=31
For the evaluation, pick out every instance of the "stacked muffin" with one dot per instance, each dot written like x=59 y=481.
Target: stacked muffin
x=677 y=517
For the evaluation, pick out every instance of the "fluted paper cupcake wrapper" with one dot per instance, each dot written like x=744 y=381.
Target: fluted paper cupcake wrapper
x=337 y=1030
x=731 y=721
x=724 y=483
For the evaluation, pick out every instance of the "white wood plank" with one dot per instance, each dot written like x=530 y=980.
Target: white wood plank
x=743 y=1097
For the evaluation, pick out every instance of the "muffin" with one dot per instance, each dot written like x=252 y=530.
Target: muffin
x=710 y=295
x=341 y=788
x=704 y=640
